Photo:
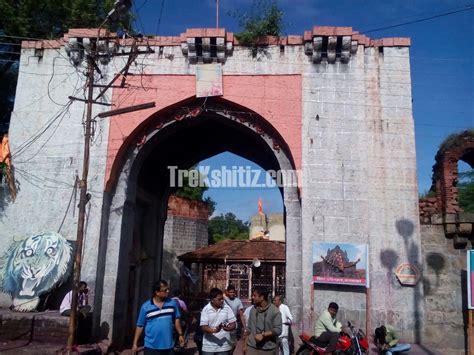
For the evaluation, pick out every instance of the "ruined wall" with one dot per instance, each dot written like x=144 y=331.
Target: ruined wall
x=446 y=235
x=444 y=284
x=445 y=172
x=428 y=207
x=185 y=231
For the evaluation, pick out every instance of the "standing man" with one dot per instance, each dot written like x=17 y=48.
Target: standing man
x=217 y=321
x=287 y=320
x=158 y=316
x=234 y=302
x=264 y=325
x=327 y=330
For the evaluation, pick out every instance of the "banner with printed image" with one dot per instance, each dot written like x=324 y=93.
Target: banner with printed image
x=209 y=80
x=341 y=263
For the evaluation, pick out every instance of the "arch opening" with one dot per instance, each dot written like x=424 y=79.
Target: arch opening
x=136 y=209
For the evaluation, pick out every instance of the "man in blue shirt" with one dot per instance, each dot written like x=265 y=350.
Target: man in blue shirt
x=158 y=316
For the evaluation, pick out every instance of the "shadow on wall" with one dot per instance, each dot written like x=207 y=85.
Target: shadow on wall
x=390 y=260
x=104 y=331
x=435 y=261
x=405 y=229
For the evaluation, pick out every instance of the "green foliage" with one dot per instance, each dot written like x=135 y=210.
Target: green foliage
x=45 y=19
x=51 y=18
x=195 y=192
x=466 y=191
x=427 y=194
x=265 y=19
x=211 y=205
x=227 y=226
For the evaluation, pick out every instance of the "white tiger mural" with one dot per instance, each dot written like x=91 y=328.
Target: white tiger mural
x=33 y=266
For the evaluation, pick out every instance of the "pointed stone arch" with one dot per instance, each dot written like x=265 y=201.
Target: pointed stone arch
x=182 y=134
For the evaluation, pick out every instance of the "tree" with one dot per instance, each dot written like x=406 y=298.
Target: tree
x=227 y=226
x=264 y=19
x=45 y=19
x=466 y=191
x=196 y=193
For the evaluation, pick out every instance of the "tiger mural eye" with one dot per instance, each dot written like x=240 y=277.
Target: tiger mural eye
x=33 y=266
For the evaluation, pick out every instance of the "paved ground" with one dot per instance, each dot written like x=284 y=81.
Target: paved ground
x=38 y=348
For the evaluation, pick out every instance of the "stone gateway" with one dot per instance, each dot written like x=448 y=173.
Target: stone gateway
x=331 y=103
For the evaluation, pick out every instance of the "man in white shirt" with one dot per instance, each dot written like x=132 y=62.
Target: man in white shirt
x=287 y=320
x=217 y=321
x=234 y=302
x=82 y=301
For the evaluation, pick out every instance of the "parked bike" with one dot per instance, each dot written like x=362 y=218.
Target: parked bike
x=351 y=342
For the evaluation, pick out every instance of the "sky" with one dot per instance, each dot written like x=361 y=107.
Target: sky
x=441 y=59
x=354 y=252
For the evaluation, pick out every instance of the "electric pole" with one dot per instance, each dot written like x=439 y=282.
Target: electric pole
x=82 y=198
x=93 y=54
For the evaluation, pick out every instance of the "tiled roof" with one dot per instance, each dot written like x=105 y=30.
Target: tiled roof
x=238 y=250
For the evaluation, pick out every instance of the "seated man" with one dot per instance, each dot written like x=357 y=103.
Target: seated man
x=386 y=340
x=82 y=301
x=327 y=329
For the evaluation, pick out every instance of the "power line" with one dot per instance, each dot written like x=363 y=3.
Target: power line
x=25 y=145
x=451 y=12
x=10 y=44
x=138 y=16
x=159 y=18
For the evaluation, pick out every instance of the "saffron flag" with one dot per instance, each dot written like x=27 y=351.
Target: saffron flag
x=260 y=207
x=5 y=151
x=6 y=160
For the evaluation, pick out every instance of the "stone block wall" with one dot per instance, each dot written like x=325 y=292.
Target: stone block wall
x=340 y=101
x=445 y=285
x=185 y=231
x=43 y=327
x=428 y=207
x=446 y=235
x=46 y=141
x=360 y=181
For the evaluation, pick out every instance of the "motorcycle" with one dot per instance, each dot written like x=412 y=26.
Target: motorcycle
x=351 y=342
x=360 y=343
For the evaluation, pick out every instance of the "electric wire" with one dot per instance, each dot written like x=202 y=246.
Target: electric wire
x=159 y=17
x=73 y=193
x=48 y=139
x=450 y=12
x=26 y=144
